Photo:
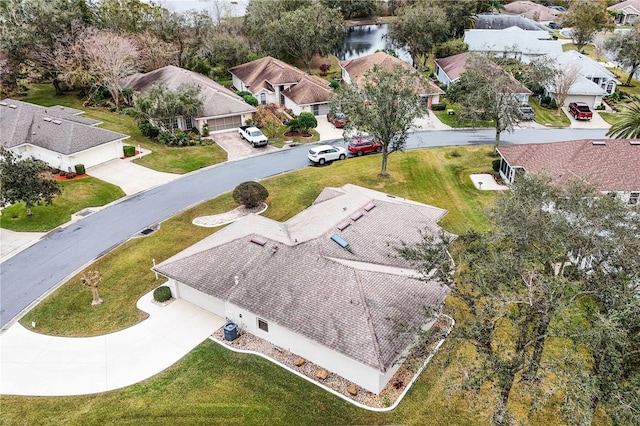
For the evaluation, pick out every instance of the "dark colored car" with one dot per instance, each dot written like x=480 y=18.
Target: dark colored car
x=338 y=119
x=362 y=146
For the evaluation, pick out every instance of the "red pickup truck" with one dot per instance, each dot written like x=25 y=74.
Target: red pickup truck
x=580 y=111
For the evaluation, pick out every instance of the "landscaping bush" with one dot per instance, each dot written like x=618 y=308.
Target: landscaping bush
x=306 y=121
x=250 y=194
x=162 y=294
x=244 y=93
x=149 y=130
x=175 y=138
x=205 y=129
x=293 y=125
x=324 y=69
x=495 y=164
x=80 y=169
x=600 y=107
x=62 y=173
x=129 y=150
x=70 y=175
x=438 y=107
x=334 y=84
x=553 y=104
x=251 y=100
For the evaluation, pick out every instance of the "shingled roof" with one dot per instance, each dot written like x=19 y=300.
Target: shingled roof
x=56 y=128
x=217 y=100
x=358 y=67
x=531 y=10
x=347 y=299
x=267 y=72
x=610 y=164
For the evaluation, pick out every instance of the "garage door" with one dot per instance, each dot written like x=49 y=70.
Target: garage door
x=205 y=301
x=224 y=123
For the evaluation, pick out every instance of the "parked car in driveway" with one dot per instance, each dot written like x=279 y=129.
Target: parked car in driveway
x=323 y=153
x=338 y=119
x=363 y=145
x=580 y=111
x=527 y=113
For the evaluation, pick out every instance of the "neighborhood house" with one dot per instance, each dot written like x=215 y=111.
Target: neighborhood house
x=324 y=285
x=513 y=42
x=610 y=164
x=272 y=81
x=222 y=110
x=56 y=135
x=626 y=11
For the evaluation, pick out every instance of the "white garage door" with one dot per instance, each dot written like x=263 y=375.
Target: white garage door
x=205 y=301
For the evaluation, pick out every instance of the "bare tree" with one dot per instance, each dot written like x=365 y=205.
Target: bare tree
x=154 y=52
x=563 y=81
x=91 y=279
x=111 y=57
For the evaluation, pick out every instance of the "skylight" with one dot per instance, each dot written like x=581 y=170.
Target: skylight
x=341 y=241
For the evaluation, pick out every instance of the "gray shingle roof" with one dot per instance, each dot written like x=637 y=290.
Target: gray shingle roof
x=498 y=21
x=57 y=129
x=611 y=164
x=347 y=300
x=512 y=39
x=217 y=101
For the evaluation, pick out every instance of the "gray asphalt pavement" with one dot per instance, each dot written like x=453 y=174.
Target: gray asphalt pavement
x=32 y=273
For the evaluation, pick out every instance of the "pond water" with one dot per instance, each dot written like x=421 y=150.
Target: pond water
x=365 y=40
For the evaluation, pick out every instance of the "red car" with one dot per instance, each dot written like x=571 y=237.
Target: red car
x=338 y=119
x=362 y=146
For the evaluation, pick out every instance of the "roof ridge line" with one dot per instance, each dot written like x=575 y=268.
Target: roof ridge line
x=372 y=329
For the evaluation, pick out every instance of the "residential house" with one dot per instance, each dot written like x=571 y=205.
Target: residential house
x=499 y=21
x=512 y=42
x=449 y=69
x=56 y=135
x=354 y=70
x=273 y=81
x=627 y=11
x=593 y=83
x=324 y=285
x=531 y=10
x=222 y=110
x=610 y=164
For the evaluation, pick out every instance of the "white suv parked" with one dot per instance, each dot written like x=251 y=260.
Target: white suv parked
x=323 y=153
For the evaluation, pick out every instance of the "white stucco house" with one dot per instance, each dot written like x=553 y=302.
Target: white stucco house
x=610 y=164
x=323 y=285
x=626 y=11
x=354 y=72
x=57 y=135
x=512 y=42
x=272 y=81
x=222 y=110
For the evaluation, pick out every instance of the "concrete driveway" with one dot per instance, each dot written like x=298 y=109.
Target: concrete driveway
x=40 y=365
x=596 y=121
x=238 y=148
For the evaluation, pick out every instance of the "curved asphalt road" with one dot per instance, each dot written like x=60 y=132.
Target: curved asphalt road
x=27 y=276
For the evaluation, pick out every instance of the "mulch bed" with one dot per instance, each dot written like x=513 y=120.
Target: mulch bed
x=297 y=135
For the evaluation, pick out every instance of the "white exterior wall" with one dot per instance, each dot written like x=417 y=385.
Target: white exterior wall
x=297 y=109
x=591 y=100
x=345 y=76
x=198 y=298
x=442 y=77
x=90 y=157
x=360 y=374
x=237 y=83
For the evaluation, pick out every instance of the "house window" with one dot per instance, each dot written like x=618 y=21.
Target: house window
x=633 y=198
x=263 y=325
x=169 y=124
x=188 y=123
x=263 y=98
x=315 y=109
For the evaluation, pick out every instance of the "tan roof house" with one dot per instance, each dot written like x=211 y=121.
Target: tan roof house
x=354 y=70
x=56 y=135
x=222 y=110
x=627 y=11
x=273 y=81
x=610 y=164
x=531 y=10
x=321 y=285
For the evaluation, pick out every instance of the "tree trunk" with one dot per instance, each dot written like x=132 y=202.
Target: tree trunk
x=499 y=417
x=383 y=170
x=28 y=211
x=497 y=141
x=633 y=70
x=541 y=332
x=56 y=85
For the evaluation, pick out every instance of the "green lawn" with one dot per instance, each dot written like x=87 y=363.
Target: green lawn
x=454 y=121
x=77 y=194
x=163 y=158
x=610 y=117
x=549 y=117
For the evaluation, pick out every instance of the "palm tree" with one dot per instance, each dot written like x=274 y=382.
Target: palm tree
x=628 y=127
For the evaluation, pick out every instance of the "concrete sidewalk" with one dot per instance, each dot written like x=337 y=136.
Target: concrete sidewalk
x=40 y=365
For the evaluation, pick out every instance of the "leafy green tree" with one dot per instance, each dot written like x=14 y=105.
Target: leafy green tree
x=21 y=179
x=306 y=32
x=586 y=17
x=554 y=260
x=260 y=13
x=418 y=28
x=486 y=92
x=628 y=125
x=450 y=48
x=250 y=194
x=385 y=107
x=459 y=13
x=352 y=8
x=163 y=106
x=131 y=16
x=626 y=47
x=306 y=121
x=225 y=50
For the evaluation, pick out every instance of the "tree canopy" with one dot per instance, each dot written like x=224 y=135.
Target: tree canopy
x=384 y=106
x=626 y=48
x=22 y=179
x=163 y=106
x=628 y=125
x=586 y=17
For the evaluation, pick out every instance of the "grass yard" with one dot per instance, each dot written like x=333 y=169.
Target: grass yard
x=163 y=158
x=77 y=194
x=433 y=176
x=454 y=121
x=610 y=117
x=549 y=117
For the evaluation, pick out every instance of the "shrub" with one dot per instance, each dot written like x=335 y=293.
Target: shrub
x=129 y=150
x=545 y=100
x=149 y=130
x=438 y=107
x=306 y=121
x=251 y=100
x=175 y=137
x=293 y=124
x=495 y=165
x=244 y=93
x=250 y=193
x=334 y=84
x=70 y=175
x=324 y=69
x=450 y=48
x=601 y=107
x=62 y=173
x=553 y=104
x=55 y=171
x=80 y=169
x=205 y=129
x=162 y=294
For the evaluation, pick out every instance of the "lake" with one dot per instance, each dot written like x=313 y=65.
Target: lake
x=365 y=40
